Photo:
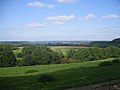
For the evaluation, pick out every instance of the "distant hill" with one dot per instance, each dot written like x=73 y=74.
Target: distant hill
x=48 y=43
x=114 y=42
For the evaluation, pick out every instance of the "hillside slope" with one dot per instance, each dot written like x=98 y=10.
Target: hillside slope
x=66 y=75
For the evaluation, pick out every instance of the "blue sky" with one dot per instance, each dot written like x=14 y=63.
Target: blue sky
x=44 y=20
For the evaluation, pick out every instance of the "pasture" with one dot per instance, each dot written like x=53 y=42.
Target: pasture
x=66 y=75
x=65 y=49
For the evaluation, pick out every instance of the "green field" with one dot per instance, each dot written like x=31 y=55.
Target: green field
x=65 y=49
x=19 y=50
x=67 y=75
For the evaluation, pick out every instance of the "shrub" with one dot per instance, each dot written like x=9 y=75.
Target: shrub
x=116 y=61
x=45 y=78
x=30 y=71
x=19 y=55
x=19 y=62
x=105 y=63
x=73 y=61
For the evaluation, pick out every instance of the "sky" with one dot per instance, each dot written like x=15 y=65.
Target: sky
x=49 y=20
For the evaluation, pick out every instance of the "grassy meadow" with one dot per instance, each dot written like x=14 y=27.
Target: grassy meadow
x=64 y=49
x=19 y=50
x=66 y=75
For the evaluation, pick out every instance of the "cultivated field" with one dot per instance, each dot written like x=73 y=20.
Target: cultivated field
x=66 y=75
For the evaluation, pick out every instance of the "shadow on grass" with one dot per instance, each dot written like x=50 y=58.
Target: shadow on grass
x=74 y=77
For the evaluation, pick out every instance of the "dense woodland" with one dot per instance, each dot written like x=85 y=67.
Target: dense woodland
x=42 y=55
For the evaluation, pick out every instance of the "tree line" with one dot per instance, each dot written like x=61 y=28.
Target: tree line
x=31 y=55
x=93 y=53
x=42 y=55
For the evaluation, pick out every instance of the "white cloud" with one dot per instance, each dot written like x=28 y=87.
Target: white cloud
x=60 y=18
x=106 y=27
x=90 y=16
x=57 y=22
x=40 y=4
x=110 y=16
x=67 y=1
x=33 y=25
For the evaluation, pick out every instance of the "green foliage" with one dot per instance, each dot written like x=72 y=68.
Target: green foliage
x=27 y=56
x=19 y=62
x=115 y=42
x=18 y=55
x=70 y=53
x=43 y=78
x=114 y=51
x=116 y=60
x=93 y=53
x=30 y=71
x=105 y=63
x=33 y=55
x=7 y=57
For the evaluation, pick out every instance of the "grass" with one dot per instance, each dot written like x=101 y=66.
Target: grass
x=65 y=49
x=30 y=71
x=66 y=75
x=19 y=50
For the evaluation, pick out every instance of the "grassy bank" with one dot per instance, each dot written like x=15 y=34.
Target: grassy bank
x=66 y=75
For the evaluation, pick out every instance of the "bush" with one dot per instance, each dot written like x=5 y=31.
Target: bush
x=45 y=78
x=30 y=71
x=73 y=61
x=19 y=62
x=105 y=63
x=116 y=61
x=19 y=55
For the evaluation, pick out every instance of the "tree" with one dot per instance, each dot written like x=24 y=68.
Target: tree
x=33 y=55
x=94 y=53
x=27 y=56
x=114 y=51
x=7 y=57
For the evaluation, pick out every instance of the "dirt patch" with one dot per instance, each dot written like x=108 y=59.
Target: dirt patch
x=112 y=85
